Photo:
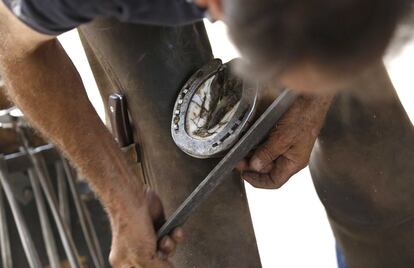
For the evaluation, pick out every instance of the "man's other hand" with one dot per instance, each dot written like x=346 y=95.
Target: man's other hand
x=289 y=145
x=134 y=242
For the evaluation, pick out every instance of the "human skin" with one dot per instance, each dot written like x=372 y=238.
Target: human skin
x=361 y=166
x=289 y=145
x=37 y=70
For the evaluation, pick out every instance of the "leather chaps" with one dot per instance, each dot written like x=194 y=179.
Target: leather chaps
x=363 y=170
x=149 y=65
x=361 y=165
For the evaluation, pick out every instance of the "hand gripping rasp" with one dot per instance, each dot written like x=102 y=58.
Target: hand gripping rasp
x=253 y=137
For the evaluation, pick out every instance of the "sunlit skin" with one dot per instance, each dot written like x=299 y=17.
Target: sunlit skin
x=38 y=71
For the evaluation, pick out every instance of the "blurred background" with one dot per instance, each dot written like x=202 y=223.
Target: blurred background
x=296 y=232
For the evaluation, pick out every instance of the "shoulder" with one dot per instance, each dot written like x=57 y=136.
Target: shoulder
x=16 y=37
x=53 y=17
x=160 y=12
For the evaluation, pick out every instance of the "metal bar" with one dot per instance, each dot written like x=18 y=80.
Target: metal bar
x=6 y=255
x=43 y=175
x=47 y=233
x=94 y=235
x=89 y=223
x=86 y=225
x=63 y=196
x=252 y=138
x=65 y=236
x=25 y=237
x=21 y=162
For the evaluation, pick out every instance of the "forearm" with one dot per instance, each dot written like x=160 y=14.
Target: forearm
x=47 y=87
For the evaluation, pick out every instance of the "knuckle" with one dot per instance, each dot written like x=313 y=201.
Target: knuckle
x=280 y=137
x=277 y=186
x=114 y=260
x=286 y=142
x=265 y=154
x=258 y=186
x=275 y=183
x=248 y=178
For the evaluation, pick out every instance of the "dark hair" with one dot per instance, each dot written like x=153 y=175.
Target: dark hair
x=339 y=34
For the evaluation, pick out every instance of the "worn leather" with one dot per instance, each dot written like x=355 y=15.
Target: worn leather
x=362 y=168
x=149 y=65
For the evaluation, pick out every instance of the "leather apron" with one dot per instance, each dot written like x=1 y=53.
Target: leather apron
x=362 y=168
x=149 y=65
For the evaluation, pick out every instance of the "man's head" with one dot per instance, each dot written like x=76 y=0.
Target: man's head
x=310 y=44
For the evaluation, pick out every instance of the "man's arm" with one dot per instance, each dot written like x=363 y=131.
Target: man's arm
x=43 y=82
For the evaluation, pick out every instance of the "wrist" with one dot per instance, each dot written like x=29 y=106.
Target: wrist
x=124 y=201
x=322 y=102
x=315 y=109
x=318 y=105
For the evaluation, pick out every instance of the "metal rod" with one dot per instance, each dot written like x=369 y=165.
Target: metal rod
x=47 y=233
x=63 y=196
x=20 y=161
x=65 y=236
x=89 y=223
x=252 y=138
x=25 y=237
x=94 y=235
x=6 y=255
x=43 y=175
x=86 y=225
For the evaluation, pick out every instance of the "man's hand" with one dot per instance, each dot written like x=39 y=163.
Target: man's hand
x=134 y=242
x=289 y=145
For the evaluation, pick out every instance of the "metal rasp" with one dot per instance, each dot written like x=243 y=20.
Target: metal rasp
x=255 y=135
